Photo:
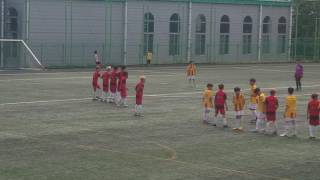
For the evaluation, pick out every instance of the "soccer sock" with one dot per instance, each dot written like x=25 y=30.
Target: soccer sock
x=294 y=127
x=254 y=114
x=297 y=84
x=225 y=123
x=238 y=122
x=258 y=124
x=311 y=131
x=268 y=127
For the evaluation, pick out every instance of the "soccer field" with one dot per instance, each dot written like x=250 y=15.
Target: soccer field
x=51 y=129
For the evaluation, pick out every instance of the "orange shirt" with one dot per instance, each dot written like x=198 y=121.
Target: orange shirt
x=191 y=70
x=238 y=102
x=207 y=99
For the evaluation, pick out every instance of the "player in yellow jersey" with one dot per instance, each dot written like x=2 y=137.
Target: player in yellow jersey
x=191 y=73
x=290 y=114
x=253 y=100
x=207 y=103
x=261 y=111
x=238 y=102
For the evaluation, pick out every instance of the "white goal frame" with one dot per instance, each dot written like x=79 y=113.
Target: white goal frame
x=26 y=46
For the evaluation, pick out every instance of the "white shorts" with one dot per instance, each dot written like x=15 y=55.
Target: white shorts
x=191 y=77
x=261 y=115
x=239 y=113
x=253 y=106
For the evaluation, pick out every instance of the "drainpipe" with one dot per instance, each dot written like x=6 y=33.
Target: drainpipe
x=125 y=35
x=290 y=34
x=2 y=34
x=189 y=31
x=260 y=34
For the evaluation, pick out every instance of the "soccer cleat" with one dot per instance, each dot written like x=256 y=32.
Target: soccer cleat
x=214 y=125
x=225 y=126
x=284 y=135
x=235 y=129
x=312 y=137
x=254 y=131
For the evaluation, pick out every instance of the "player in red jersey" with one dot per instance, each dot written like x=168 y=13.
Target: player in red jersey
x=139 y=96
x=313 y=115
x=113 y=84
x=123 y=89
x=272 y=105
x=220 y=103
x=95 y=83
x=120 y=73
x=106 y=84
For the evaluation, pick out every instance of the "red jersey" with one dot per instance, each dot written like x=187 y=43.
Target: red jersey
x=119 y=77
x=139 y=92
x=314 y=107
x=106 y=79
x=220 y=98
x=271 y=104
x=113 y=81
x=123 y=86
x=95 y=78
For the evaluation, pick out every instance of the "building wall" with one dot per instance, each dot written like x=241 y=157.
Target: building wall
x=67 y=32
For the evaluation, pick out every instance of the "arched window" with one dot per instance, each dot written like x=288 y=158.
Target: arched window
x=224 y=34
x=12 y=23
x=282 y=39
x=200 y=46
x=148 y=32
x=247 y=35
x=174 y=35
x=266 y=31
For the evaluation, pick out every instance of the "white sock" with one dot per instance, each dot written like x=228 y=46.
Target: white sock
x=311 y=131
x=225 y=123
x=258 y=124
x=254 y=114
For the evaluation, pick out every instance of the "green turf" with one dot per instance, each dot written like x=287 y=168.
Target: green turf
x=81 y=139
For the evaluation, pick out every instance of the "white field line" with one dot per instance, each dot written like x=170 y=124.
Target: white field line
x=272 y=70
x=168 y=95
x=76 y=77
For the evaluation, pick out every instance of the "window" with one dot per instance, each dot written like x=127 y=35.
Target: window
x=266 y=30
x=224 y=34
x=247 y=35
x=174 y=35
x=282 y=39
x=12 y=23
x=148 y=32
x=11 y=32
x=200 y=46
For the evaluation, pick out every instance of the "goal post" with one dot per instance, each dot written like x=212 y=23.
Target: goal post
x=16 y=53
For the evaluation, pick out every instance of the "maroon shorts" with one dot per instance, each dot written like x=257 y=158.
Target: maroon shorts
x=123 y=92
x=113 y=88
x=271 y=116
x=95 y=86
x=314 y=120
x=138 y=100
x=220 y=109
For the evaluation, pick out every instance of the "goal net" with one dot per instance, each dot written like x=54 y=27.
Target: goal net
x=16 y=54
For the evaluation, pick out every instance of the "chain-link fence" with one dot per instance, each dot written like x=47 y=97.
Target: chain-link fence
x=65 y=33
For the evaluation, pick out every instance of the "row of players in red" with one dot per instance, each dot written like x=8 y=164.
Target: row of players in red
x=114 y=87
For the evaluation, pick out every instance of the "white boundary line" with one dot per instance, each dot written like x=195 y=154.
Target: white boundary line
x=168 y=95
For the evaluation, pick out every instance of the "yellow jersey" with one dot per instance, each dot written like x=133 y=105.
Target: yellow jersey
x=191 y=70
x=207 y=99
x=253 y=96
x=291 y=107
x=238 y=102
x=149 y=56
x=261 y=99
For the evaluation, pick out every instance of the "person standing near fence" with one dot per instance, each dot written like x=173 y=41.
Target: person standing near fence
x=298 y=75
x=149 y=56
x=96 y=58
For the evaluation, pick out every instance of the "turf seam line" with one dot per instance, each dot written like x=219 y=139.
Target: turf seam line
x=85 y=147
x=147 y=95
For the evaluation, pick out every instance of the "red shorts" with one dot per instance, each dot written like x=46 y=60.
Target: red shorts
x=220 y=109
x=95 y=86
x=113 y=88
x=106 y=88
x=138 y=100
x=271 y=116
x=314 y=120
x=123 y=92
